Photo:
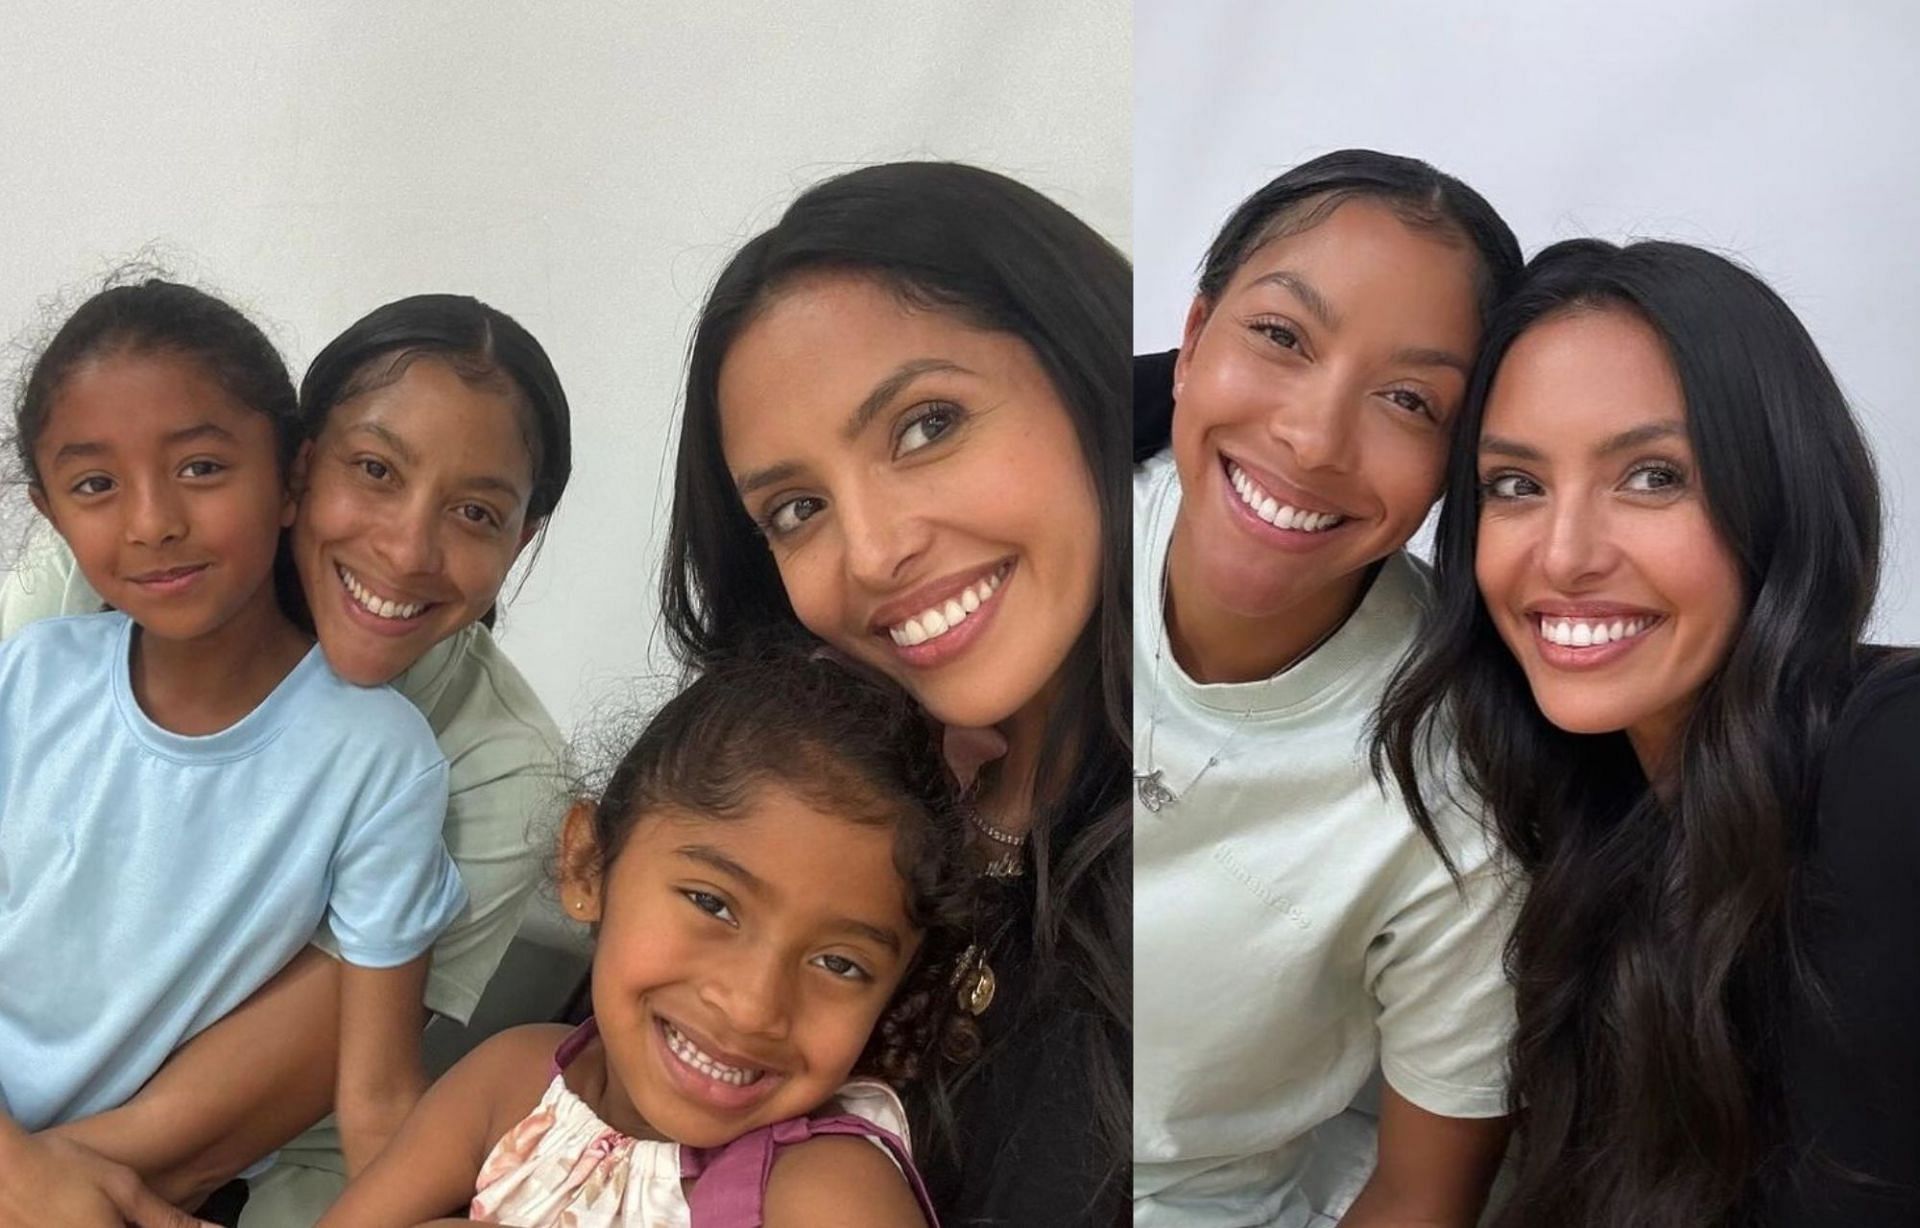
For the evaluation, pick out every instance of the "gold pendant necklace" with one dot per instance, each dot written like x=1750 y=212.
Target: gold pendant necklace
x=975 y=981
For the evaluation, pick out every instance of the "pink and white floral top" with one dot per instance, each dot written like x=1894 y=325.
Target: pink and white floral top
x=562 y=1167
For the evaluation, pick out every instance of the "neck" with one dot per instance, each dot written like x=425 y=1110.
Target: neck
x=1215 y=644
x=203 y=685
x=1008 y=800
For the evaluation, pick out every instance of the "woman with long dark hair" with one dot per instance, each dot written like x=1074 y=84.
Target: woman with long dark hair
x=1295 y=932
x=1655 y=563
x=905 y=430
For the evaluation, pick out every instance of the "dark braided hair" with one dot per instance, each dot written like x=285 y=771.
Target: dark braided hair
x=782 y=711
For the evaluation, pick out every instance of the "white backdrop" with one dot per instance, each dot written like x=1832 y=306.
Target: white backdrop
x=1786 y=135
x=584 y=167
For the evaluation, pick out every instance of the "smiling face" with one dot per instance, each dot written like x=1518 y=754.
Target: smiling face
x=1312 y=404
x=413 y=511
x=168 y=491
x=920 y=485
x=742 y=962
x=1597 y=557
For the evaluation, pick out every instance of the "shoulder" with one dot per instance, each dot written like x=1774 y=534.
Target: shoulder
x=78 y=633
x=841 y=1180
x=1871 y=772
x=366 y=721
x=511 y=1068
x=475 y=700
x=1152 y=478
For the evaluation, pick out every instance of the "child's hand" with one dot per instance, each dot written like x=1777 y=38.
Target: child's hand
x=46 y=1180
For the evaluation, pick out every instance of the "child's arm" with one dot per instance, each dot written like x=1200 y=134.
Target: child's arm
x=234 y=1092
x=839 y=1182
x=52 y=1181
x=381 y=1016
x=430 y=1167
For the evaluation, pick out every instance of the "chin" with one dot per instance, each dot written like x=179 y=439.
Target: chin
x=1590 y=714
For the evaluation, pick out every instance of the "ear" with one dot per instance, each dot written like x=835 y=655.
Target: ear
x=39 y=497
x=1197 y=316
x=527 y=533
x=580 y=870
x=297 y=483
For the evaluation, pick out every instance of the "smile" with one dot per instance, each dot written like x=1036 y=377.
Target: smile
x=170 y=580
x=693 y=1055
x=1590 y=632
x=936 y=621
x=1273 y=511
x=376 y=605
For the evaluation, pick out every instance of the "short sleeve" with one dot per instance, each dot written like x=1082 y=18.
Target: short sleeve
x=497 y=802
x=1851 y=1067
x=394 y=887
x=1446 y=1010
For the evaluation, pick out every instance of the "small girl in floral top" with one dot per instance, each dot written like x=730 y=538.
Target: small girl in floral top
x=777 y=877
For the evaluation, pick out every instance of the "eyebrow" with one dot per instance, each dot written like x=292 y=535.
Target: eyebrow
x=389 y=437
x=479 y=481
x=712 y=857
x=1633 y=437
x=870 y=405
x=1419 y=357
x=1302 y=289
x=204 y=430
x=707 y=855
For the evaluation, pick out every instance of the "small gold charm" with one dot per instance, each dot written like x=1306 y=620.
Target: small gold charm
x=978 y=995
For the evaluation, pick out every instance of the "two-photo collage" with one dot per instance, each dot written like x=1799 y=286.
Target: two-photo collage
x=846 y=615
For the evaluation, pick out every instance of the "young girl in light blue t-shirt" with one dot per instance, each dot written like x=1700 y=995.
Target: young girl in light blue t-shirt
x=186 y=790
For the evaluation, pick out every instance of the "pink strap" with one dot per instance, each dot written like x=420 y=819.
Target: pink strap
x=570 y=1047
x=730 y=1182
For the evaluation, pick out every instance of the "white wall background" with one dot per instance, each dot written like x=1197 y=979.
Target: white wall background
x=584 y=167
x=1786 y=135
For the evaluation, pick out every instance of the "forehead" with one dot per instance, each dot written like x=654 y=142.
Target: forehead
x=1585 y=372
x=817 y=347
x=441 y=418
x=130 y=394
x=810 y=858
x=1374 y=268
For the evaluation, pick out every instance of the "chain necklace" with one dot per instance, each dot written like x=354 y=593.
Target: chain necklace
x=1151 y=784
x=1007 y=862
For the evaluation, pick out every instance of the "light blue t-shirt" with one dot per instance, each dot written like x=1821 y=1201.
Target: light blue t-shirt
x=150 y=882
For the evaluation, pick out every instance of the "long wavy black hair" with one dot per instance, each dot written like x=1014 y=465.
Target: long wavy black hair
x=1001 y=256
x=1656 y=952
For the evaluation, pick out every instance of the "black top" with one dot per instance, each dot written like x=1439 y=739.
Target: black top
x=1152 y=403
x=1027 y=1151
x=1852 y=1065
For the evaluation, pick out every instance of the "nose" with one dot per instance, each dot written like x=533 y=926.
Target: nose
x=156 y=515
x=752 y=992
x=1316 y=422
x=883 y=532
x=1578 y=546
x=408 y=541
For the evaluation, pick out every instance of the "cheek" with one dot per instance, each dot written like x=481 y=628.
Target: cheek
x=1405 y=473
x=812 y=591
x=477 y=568
x=1704 y=585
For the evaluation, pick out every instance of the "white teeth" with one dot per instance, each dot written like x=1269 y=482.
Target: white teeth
x=1575 y=633
x=697 y=1058
x=1274 y=512
x=935 y=622
x=377 y=606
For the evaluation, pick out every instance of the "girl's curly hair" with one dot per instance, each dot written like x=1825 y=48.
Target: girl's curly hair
x=785 y=711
